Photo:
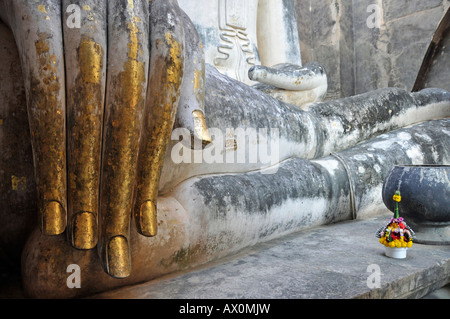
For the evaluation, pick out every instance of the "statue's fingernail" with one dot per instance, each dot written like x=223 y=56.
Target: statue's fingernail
x=119 y=265
x=84 y=231
x=53 y=219
x=201 y=129
x=148 y=221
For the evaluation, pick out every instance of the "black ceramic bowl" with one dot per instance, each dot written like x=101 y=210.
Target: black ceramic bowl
x=425 y=200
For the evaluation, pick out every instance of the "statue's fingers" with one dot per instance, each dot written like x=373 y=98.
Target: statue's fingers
x=166 y=72
x=38 y=33
x=290 y=77
x=85 y=53
x=124 y=109
x=191 y=108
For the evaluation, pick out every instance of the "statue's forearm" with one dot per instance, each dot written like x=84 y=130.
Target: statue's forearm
x=325 y=128
x=347 y=122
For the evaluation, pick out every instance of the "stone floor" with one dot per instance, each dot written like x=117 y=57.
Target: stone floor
x=339 y=261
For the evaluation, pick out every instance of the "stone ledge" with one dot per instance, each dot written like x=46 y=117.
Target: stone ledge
x=330 y=261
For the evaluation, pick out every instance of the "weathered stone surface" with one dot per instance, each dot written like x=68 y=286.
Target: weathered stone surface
x=401 y=8
x=409 y=38
x=438 y=74
x=326 y=36
x=360 y=57
x=17 y=185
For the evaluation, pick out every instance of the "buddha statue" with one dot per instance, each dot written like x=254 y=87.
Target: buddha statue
x=160 y=140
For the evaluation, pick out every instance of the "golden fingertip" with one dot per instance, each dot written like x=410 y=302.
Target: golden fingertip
x=148 y=219
x=53 y=219
x=84 y=231
x=119 y=264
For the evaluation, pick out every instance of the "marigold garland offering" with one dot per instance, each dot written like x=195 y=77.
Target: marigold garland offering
x=396 y=234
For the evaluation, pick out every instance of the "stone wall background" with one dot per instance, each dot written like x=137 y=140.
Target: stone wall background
x=360 y=58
